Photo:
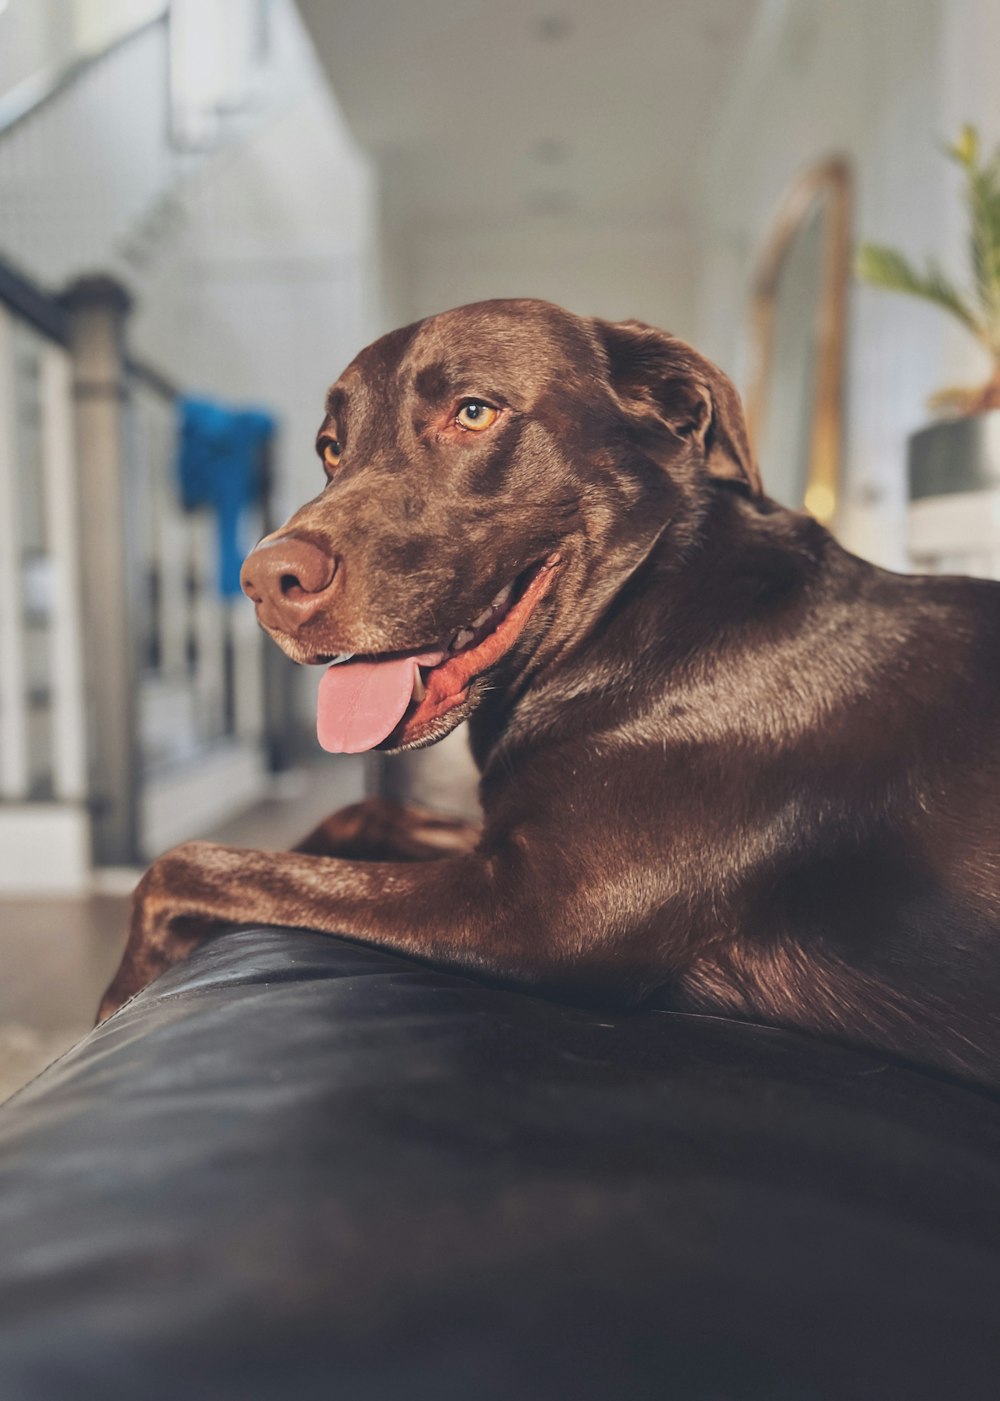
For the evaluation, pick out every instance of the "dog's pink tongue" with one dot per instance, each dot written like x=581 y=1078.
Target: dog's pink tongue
x=360 y=703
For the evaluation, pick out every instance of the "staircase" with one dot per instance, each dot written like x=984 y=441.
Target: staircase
x=134 y=705
x=94 y=159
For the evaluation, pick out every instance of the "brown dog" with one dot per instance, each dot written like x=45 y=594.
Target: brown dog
x=726 y=766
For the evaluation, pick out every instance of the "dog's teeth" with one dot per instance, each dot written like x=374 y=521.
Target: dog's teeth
x=339 y=657
x=419 y=689
x=462 y=638
x=502 y=596
x=484 y=617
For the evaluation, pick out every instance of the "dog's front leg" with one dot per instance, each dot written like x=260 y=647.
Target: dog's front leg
x=455 y=912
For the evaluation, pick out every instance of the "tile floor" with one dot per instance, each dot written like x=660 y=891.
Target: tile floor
x=57 y=955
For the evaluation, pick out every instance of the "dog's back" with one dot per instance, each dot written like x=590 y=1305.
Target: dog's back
x=816 y=743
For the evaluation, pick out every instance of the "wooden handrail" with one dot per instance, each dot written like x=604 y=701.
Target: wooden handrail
x=152 y=378
x=26 y=300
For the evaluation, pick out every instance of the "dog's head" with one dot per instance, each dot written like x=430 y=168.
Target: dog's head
x=493 y=475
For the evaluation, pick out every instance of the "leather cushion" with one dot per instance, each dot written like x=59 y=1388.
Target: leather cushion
x=298 y=1167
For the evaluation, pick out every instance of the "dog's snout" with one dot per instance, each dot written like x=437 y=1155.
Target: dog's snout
x=289 y=579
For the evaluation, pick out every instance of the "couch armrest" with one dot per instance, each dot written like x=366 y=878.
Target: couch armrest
x=298 y=1167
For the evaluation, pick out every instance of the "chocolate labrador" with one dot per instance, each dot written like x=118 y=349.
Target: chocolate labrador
x=726 y=766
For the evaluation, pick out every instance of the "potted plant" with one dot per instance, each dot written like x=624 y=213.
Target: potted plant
x=957 y=457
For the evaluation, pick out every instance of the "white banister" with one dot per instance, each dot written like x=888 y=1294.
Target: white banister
x=14 y=759
x=208 y=617
x=65 y=664
x=202 y=749
x=250 y=721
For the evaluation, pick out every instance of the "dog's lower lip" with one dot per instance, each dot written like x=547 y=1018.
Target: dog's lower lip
x=445 y=685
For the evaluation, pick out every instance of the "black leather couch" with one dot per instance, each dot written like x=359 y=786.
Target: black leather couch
x=298 y=1168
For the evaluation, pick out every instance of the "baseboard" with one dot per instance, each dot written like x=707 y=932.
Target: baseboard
x=45 y=849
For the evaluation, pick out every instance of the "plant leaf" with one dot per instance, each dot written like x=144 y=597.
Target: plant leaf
x=966 y=149
x=984 y=238
x=885 y=267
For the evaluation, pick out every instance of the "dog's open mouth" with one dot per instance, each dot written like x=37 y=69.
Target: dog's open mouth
x=363 y=701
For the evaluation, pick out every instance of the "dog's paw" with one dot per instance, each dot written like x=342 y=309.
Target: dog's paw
x=161 y=929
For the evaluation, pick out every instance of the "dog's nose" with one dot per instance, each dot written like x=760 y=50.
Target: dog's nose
x=289 y=579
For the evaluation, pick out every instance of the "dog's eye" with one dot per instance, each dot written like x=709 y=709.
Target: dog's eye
x=476 y=415
x=331 y=454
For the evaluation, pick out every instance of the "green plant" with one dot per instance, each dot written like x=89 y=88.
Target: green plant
x=978 y=309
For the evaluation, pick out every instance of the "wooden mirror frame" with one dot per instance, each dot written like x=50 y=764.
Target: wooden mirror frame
x=829 y=181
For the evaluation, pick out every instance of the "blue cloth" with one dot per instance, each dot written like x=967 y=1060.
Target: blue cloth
x=219 y=462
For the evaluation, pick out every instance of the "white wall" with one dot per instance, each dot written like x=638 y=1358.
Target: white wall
x=268 y=289
x=596 y=269
x=30 y=40
x=969 y=92
x=45 y=35
x=885 y=84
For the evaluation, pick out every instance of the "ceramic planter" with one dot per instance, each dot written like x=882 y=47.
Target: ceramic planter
x=954 y=478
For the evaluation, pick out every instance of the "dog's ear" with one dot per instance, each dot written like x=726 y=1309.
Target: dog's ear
x=661 y=383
